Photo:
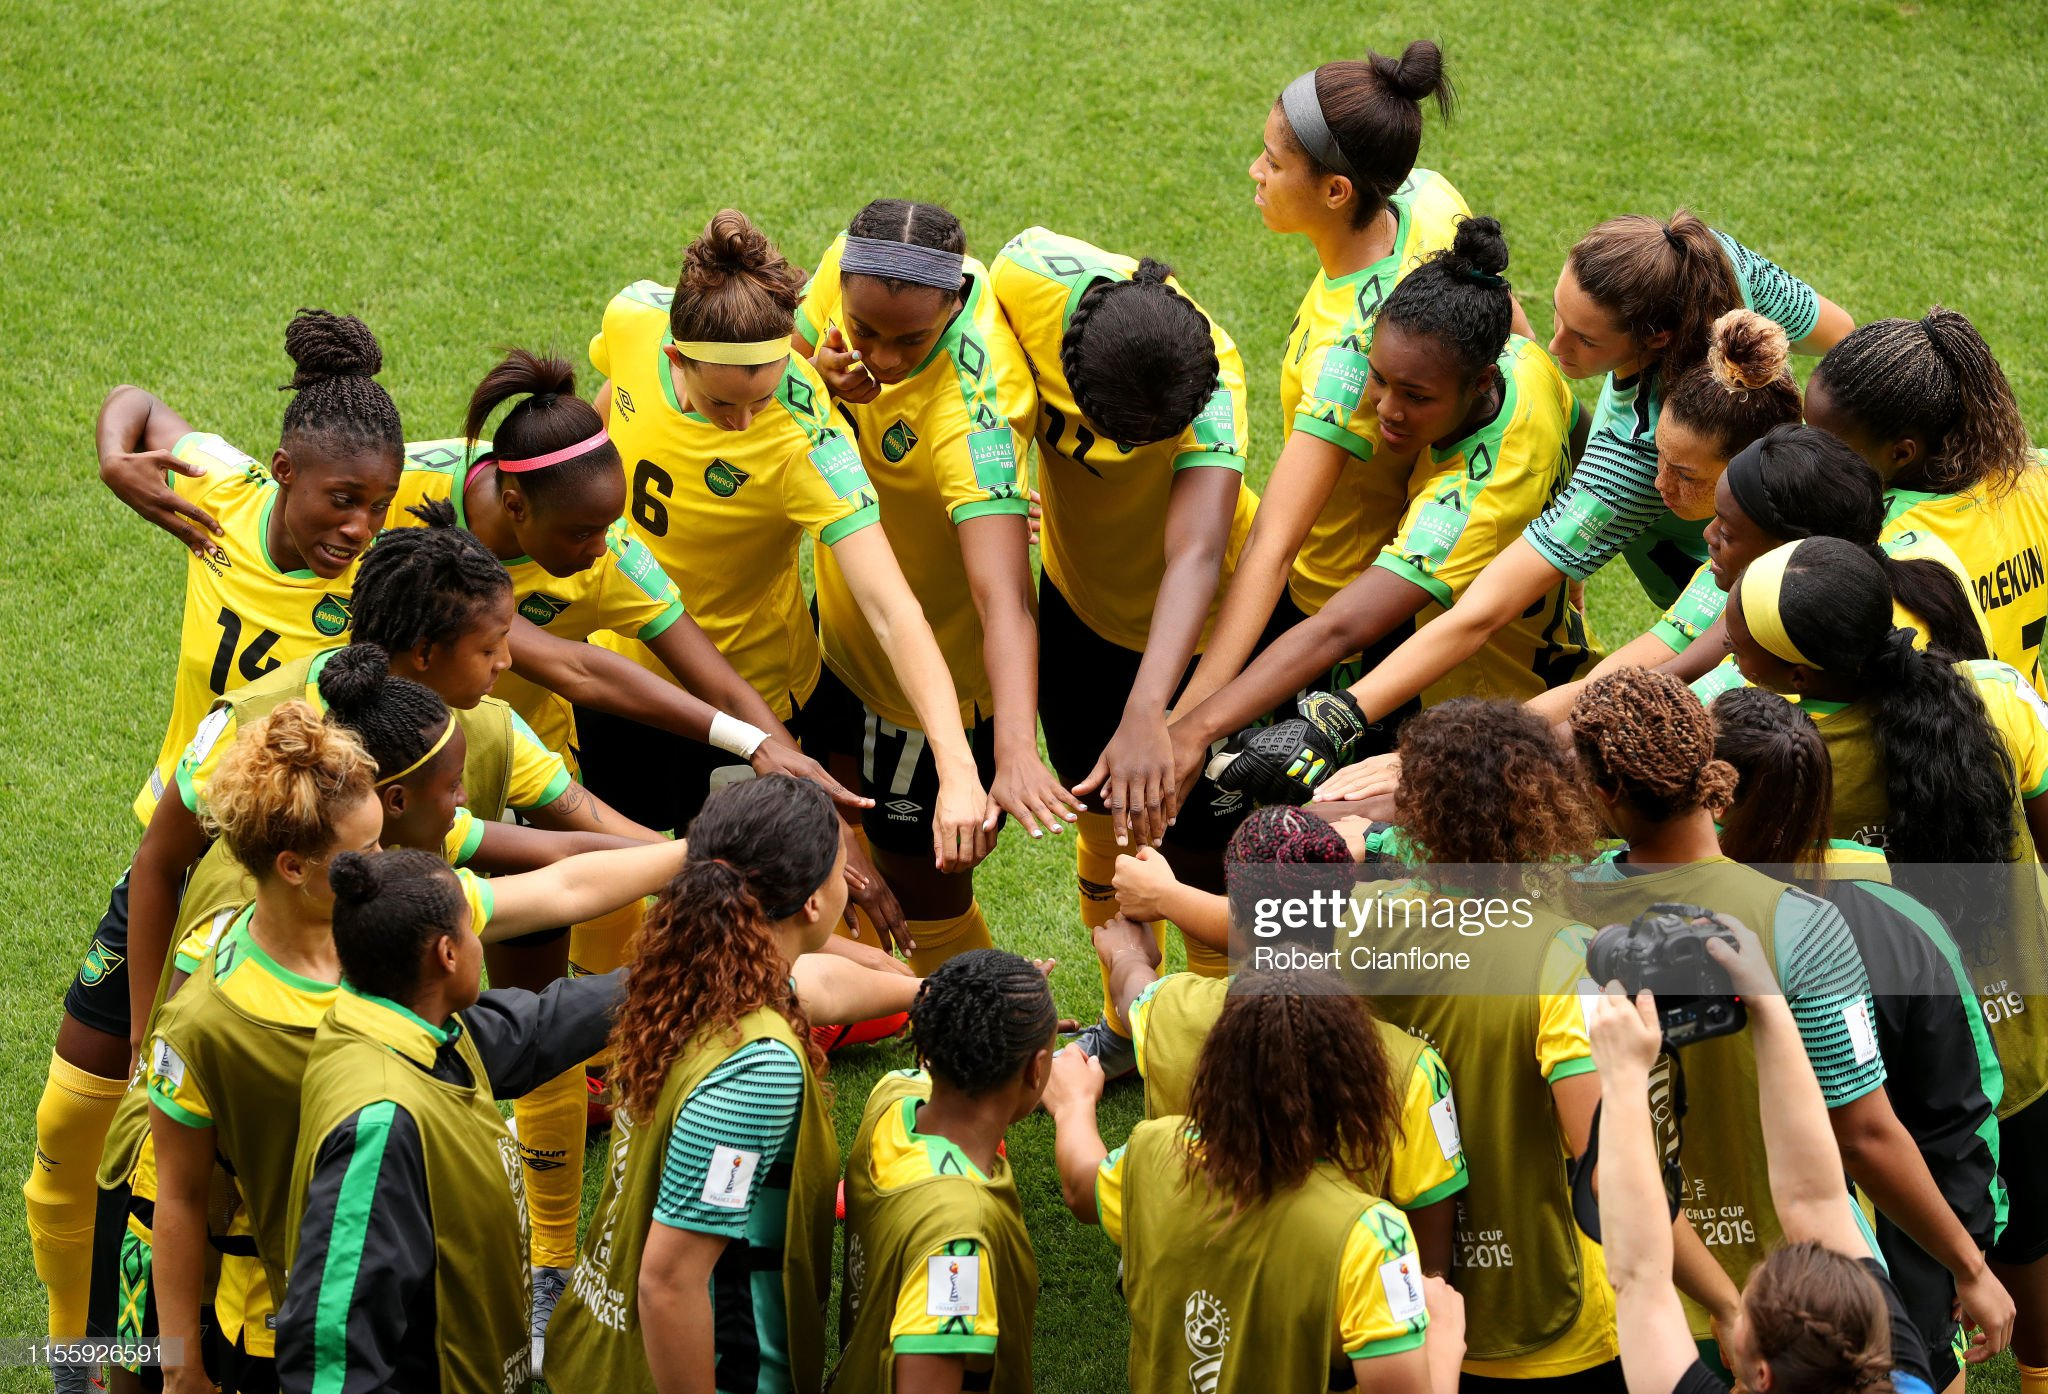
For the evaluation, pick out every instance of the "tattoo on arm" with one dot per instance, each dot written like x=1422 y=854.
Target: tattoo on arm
x=570 y=799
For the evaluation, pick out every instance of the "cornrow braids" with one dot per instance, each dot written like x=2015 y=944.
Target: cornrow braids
x=1646 y=734
x=1139 y=358
x=336 y=359
x=1934 y=377
x=425 y=585
x=980 y=1017
x=1784 y=791
x=398 y=719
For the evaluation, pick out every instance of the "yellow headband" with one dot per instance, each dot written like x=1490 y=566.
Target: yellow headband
x=751 y=355
x=432 y=751
x=1761 y=582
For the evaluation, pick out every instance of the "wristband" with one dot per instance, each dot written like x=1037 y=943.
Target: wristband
x=735 y=736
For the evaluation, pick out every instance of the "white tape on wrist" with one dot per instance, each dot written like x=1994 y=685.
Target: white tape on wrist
x=735 y=736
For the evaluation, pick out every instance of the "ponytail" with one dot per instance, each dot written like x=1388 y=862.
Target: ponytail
x=549 y=419
x=1659 y=278
x=1741 y=389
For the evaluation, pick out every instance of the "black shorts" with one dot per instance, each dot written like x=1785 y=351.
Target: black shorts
x=98 y=995
x=1927 y=1291
x=1604 y=1378
x=896 y=766
x=2023 y=1162
x=656 y=777
x=1383 y=734
x=1083 y=679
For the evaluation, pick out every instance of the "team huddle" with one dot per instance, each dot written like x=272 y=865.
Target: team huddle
x=542 y=697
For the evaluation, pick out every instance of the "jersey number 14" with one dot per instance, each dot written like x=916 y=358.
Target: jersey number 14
x=256 y=659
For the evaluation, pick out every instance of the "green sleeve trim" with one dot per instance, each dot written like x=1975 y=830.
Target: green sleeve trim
x=849 y=525
x=658 y=626
x=1441 y=1191
x=1393 y=1345
x=471 y=840
x=1208 y=457
x=175 y=1111
x=1408 y=571
x=556 y=788
x=2037 y=790
x=1567 y=1069
x=1669 y=635
x=944 y=1345
x=810 y=331
x=187 y=790
x=187 y=964
x=345 y=1244
x=1335 y=435
x=983 y=508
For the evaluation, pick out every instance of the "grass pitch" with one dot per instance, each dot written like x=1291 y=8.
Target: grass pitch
x=465 y=175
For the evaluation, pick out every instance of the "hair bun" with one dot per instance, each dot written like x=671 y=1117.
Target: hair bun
x=354 y=679
x=354 y=877
x=1151 y=272
x=297 y=737
x=1478 y=246
x=731 y=242
x=1417 y=75
x=1747 y=351
x=324 y=345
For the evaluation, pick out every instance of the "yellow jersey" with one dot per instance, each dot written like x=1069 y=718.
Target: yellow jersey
x=2003 y=543
x=724 y=511
x=624 y=591
x=941 y=447
x=1103 y=536
x=1468 y=500
x=1322 y=390
x=243 y=616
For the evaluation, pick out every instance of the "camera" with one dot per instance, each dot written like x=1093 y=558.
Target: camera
x=1664 y=949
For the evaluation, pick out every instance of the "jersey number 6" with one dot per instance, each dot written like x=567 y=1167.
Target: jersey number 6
x=651 y=484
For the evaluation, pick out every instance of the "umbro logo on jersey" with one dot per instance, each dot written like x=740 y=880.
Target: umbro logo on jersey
x=623 y=400
x=897 y=441
x=723 y=480
x=541 y=608
x=903 y=808
x=332 y=614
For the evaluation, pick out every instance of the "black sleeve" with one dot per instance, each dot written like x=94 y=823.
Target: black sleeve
x=1909 y=1348
x=366 y=1252
x=1698 y=1379
x=527 y=1038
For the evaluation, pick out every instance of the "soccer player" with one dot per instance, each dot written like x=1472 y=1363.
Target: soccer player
x=735 y=459
x=1251 y=1259
x=1928 y=406
x=941 y=1285
x=1479 y=429
x=1645 y=750
x=904 y=328
x=273 y=556
x=711 y=1247
x=1941 y=1070
x=1141 y=441
x=226 y=1051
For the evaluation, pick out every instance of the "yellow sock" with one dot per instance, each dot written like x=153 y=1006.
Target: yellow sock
x=2033 y=1379
x=62 y=1189
x=1095 y=865
x=939 y=940
x=552 y=1122
x=602 y=944
x=1204 y=960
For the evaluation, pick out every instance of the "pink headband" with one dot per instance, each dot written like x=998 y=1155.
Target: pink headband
x=555 y=457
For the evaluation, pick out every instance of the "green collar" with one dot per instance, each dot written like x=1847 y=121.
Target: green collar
x=962 y=321
x=1391 y=262
x=394 y=1025
x=937 y=1148
x=242 y=931
x=1504 y=413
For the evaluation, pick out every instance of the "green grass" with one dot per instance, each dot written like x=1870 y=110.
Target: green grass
x=180 y=177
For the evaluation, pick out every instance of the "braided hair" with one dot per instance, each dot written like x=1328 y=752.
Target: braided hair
x=1373 y=108
x=706 y=955
x=398 y=719
x=336 y=359
x=1645 y=733
x=918 y=224
x=1784 y=783
x=388 y=906
x=1458 y=297
x=1933 y=377
x=549 y=417
x=1820 y=1321
x=980 y=1017
x=425 y=585
x=1138 y=357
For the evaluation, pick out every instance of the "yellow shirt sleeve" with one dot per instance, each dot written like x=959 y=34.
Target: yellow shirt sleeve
x=635 y=596
x=1141 y=1020
x=476 y=894
x=825 y=489
x=1109 y=1196
x=947 y=1305
x=539 y=775
x=1563 y=1048
x=1218 y=434
x=202 y=756
x=465 y=835
x=1429 y=1161
x=820 y=305
x=601 y=355
x=172 y=1089
x=976 y=466
x=1380 y=1305
x=2021 y=716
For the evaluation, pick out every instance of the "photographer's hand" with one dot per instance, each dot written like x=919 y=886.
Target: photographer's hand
x=1626 y=1038
x=1748 y=966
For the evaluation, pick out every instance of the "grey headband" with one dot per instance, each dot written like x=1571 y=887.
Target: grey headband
x=902 y=261
x=1304 y=111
